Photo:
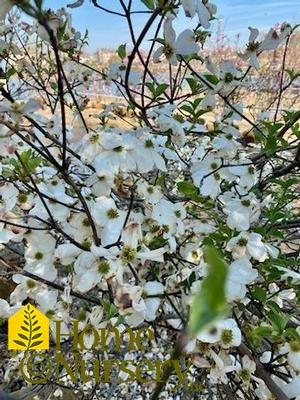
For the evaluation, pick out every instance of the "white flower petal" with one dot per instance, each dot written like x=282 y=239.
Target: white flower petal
x=185 y=43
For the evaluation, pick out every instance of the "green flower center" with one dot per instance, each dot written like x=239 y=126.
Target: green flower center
x=228 y=77
x=168 y=50
x=242 y=242
x=177 y=213
x=194 y=254
x=128 y=254
x=245 y=203
x=226 y=336
x=150 y=189
x=22 y=198
x=112 y=213
x=103 y=267
x=149 y=144
x=295 y=346
x=94 y=138
x=253 y=46
x=30 y=284
x=245 y=374
x=81 y=316
x=38 y=255
x=86 y=244
x=85 y=222
x=65 y=305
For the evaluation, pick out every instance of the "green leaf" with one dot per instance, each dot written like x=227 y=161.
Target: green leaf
x=161 y=180
x=113 y=311
x=10 y=72
x=61 y=31
x=160 y=89
x=150 y=87
x=121 y=51
x=259 y=294
x=291 y=334
x=156 y=90
x=149 y=4
x=189 y=109
x=210 y=302
x=271 y=144
x=157 y=242
x=189 y=190
x=110 y=310
x=194 y=85
x=261 y=332
x=211 y=79
x=53 y=85
x=276 y=317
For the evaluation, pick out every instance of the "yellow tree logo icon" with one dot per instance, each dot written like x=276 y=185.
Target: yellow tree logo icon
x=28 y=329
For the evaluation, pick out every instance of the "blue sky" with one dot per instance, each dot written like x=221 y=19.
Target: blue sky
x=107 y=30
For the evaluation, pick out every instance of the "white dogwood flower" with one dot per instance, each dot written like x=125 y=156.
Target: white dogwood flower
x=222 y=366
x=250 y=244
x=206 y=174
x=226 y=332
x=292 y=349
x=170 y=216
x=241 y=212
x=107 y=216
x=240 y=274
x=6 y=310
x=204 y=11
x=53 y=24
x=152 y=288
x=288 y=273
x=279 y=296
x=91 y=271
x=246 y=370
x=19 y=108
x=117 y=70
x=270 y=42
x=183 y=45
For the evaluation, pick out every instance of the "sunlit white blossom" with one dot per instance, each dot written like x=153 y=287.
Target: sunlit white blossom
x=250 y=245
x=183 y=45
x=241 y=212
x=226 y=332
x=240 y=274
x=270 y=42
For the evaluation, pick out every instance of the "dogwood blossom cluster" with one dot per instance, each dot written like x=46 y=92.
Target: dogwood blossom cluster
x=121 y=216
